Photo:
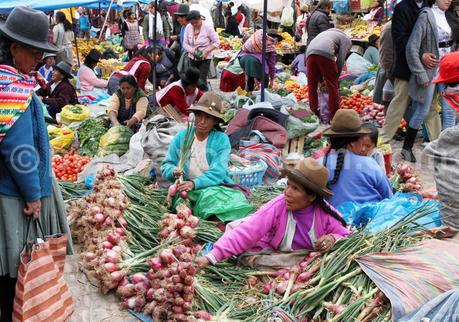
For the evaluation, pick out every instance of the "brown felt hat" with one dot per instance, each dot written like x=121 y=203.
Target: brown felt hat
x=209 y=103
x=346 y=123
x=310 y=174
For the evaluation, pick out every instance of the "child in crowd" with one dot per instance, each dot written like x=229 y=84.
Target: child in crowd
x=370 y=145
x=448 y=80
x=47 y=69
x=298 y=65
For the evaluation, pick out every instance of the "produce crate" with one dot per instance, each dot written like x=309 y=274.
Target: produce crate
x=249 y=178
x=295 y=145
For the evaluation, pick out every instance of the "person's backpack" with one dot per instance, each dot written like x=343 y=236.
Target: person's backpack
x=270 y=122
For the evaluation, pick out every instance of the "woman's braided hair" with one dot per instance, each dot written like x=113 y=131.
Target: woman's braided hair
x=339 y=145
x=325 y=206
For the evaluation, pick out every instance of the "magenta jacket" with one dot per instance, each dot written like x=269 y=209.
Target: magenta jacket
x=265 y=229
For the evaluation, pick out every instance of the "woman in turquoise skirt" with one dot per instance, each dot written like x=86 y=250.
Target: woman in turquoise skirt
x=27 y=188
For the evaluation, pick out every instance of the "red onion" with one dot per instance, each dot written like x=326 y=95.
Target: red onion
x=138 y=278
x=117 y=276
x=189 y=280
x=117 y=249
x=111 y=202
x=130 y=302
x=286 y=276
x=178 y=287
x=176 y=279
x=120 y=231
x=149 y=294
x=110 y=267
x=191 y=270
x=100 y=218
x=184 y=210
x=89 y=256
x=188 y=297
x=107 y=245
x=187 y=232
x=166 y=256
x=281 y=287
x=172 y=190
x=155 y=285
x=203 y=315
x=267 y=288
x=159 y=295
x=155 y=264
x=180 y=249
x=281 y=272
x=304 y=277
x=184 y=195
x=141 y=287
x=193 y=221
x=252 y=281
x=187 y=307
x=114 y=238
x=108 y=221
x=140 y=301
x=95 y=210
x=124 y=282
x=177 y=309
x=122 y=221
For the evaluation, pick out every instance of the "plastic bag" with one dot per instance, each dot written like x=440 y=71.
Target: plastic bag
x=297 y=127
x=357 y=64
x=373 y=217
x=323 y=106
x=74 y=113
x=276 y=100
x=341 y=6
x=287 y=17
x=388 y=91
x=60 y=139
x=225 y=203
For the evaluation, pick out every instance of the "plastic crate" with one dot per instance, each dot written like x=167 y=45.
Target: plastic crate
x=249 y=178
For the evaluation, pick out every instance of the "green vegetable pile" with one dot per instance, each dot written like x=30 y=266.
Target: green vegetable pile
x=89 y=133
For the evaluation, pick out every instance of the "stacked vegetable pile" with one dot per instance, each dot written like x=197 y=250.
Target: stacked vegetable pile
x=68 y=167
x=357 y=102
x=300 y=92
x=405 y=180
x=373 y=112
x=89 y=133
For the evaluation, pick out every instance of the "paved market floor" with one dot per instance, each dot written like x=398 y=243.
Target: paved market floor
x=92 y=306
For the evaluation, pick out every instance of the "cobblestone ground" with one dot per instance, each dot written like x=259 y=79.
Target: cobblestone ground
x=92 y=306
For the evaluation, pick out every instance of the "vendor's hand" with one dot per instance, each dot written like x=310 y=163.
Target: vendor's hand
x=324 y=243
x=185 y=186
x=425 y=85
x=130 y=122
x=202 y=262
x=33 y=209
x=178 y=173
x=116 y=124
x=429 y=60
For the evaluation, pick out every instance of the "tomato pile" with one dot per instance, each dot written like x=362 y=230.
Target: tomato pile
x=357 y=102
x=300 y=92
x=68 y=167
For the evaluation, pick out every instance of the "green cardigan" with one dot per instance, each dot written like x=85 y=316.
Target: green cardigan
x=218 y=152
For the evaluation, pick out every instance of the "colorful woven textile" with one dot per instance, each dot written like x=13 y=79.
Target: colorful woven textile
x=414 y=275
x=266 y=152
x=15 y=95
x=255 y=43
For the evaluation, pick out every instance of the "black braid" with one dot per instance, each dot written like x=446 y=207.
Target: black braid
x=325 y=207
x=339 y=145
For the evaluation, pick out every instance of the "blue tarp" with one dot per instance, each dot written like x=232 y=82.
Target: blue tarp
x=48 y=5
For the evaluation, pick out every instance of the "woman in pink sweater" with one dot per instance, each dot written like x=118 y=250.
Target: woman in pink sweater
x=300 y=218
x=87 y=81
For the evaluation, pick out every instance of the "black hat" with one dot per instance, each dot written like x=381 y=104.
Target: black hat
x=95 y=55
x=273 y=33
x=65 y=69
x=194 y=14
x=183 y=10
x=372 y=39
x=29 y=27
x=191 y=76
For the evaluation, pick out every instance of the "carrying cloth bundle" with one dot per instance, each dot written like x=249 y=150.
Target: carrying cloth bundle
x=270 y=122
x=414 y=275
x=42 y=294
x=266 y=152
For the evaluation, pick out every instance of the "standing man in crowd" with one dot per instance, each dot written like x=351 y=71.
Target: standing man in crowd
x=319 y=20
x=403 y=21
x=217 y=15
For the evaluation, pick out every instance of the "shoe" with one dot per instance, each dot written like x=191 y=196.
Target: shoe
x=407 y=150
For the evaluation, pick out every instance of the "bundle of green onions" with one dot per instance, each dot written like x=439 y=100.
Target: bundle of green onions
x=72 y=190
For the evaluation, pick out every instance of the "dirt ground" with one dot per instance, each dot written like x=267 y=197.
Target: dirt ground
x=92 y=306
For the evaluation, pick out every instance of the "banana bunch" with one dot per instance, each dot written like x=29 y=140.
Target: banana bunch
x=110 y=63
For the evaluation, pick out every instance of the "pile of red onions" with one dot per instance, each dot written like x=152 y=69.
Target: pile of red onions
x=97 y=220
x=134 y=291
x=373 y=112
x=409 y=182
x=300 y=273
x=180 y=225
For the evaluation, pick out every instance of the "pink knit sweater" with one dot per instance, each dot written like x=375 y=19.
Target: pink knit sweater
x=265 y=230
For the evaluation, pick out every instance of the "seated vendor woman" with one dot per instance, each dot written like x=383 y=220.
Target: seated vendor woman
x=353 y=177
x=298 y=219
x=181 y=94
x=210 y=152
x=128 y=106
x=59 y=92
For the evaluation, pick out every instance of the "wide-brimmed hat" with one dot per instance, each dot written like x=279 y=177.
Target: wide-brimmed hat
x=65 y=69
x=346 y=123
x=448 y=69
x=46 y=55
x=209 y=103
x=29 y=27
x=183 y=10
x=310 y=174
x=193 y=14
x=95 y=55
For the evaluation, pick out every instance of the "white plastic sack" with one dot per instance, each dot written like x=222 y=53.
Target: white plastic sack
x=287 y=17
x=357 y=64
x=276 y=100
x=388 y=91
